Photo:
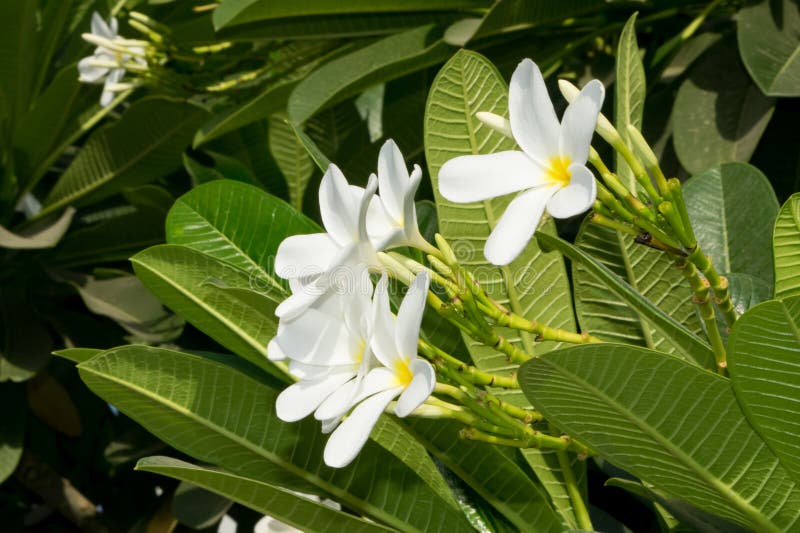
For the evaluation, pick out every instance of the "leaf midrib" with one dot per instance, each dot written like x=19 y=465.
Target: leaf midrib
x=724 y=490
x=345 y=496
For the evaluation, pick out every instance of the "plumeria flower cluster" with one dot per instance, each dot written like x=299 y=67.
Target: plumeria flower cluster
x=352 y=356
x=111 y=59
x=549 y=172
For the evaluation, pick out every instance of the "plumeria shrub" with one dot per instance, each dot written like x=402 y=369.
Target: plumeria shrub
x=571 y=310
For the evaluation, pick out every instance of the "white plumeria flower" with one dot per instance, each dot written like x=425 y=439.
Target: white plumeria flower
x=403 y=374
x=549 y=173
x=102 y=67
x=328 y=347
x=393 y=221
x=313 y=262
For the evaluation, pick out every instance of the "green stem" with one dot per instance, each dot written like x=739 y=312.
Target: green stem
x=700 y=298
x=719 y=284
x=474 y=375
x=504 y=317
x=574 y=491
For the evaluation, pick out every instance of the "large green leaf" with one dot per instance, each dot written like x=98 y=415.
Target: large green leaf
x=685 y=342
x=271 y=100
x=142 y=146
x=382 y=60
x=769 y=41
x=535 y=285
x=669 y=423
x=649 y=272
x=733 y=208
x=18 y=42
x=719 y=114
x=12 y=428
x=193 y=284
x=786 y=248
x=629 y=93
x=238 y=224
x=292 y=158
x=763 y=359
x=494 y=473
x=233 y=12
x=225 y=417
x=275 y=501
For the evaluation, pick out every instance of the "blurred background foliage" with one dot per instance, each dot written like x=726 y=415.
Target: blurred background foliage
x=246 y=85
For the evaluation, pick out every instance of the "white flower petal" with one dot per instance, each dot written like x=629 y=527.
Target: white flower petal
x=383 y=324
x=106 y=97
x=472 y=178
x=576 y=197
x=101 y=28
x=88 y=73
x=274 y=352
x=310 y=372
x=301 y=256
x=409 y=208
x=392 y=178
x=351 y=435
x=409 y=316
x=420 y=388
x=516 y=226
x=339 y=402
x=533 y=119
x=382 y=228
x=363 y=209
x=301 y=399
x=318 y=339
x=336 y=206
x=330 y=424
x=579 y=122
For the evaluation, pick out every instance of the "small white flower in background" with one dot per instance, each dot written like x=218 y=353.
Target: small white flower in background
x=549 y=173
x=312 y=262
x=396 y=223
x=328 y=347
x=402 y=373
x=104 y=65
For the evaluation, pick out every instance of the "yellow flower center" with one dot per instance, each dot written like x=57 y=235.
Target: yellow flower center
x=402 y=372
x=359 y=355
x=558 y=171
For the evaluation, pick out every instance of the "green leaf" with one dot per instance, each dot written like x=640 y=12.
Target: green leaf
x=271 y=100
x=515 y=16
x=142 y=146
x=25 y=342
x=238 y=224
x=382 y=60
x=768 y=33
x=222 y=416
x=733 y=208
x=77 y=355
x=181 y=278
x=110 y=240
x=763 y=356
x=277 y=502
x=494 y=473
x=719 y=114
x=647 y=271
x=233 y=12
x=668 y=422
x=192 y=505
x=313 y=151
x=535 y=285
x=292 y=158
x=41 y=236
x=786 y=249
x=630 y=89
x=686 y=343
x=12 y=428
x=53 y=117
x=18 y=41
x=746 y=291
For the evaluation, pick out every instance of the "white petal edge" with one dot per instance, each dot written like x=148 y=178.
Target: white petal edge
x=301 y=399
x=472 y=178
x=576 y=197
x=419 y=390
x=580 y=120
x=516 y=226
x=392 y=178
x=409 y=316
x=349 y=438
x=338 y=210
x=383 y=324
x=301 y=256
x=531 y=113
